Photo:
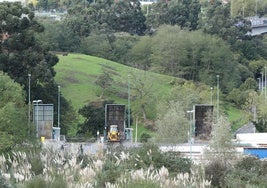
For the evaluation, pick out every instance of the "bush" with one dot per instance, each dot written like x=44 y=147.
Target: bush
x=150 y=154
x=110 y=173
x=216 y=172
x=37 y=166
x=144 y=137
x=142 y=184
x=36 y=182
x=250 y=171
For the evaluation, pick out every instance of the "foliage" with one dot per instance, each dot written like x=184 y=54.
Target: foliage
x=248 y=8
x=221 y=147
x=112 y=46
x=249 y=171
x=14 y=127
x=63 y=169
x=172 y=126
x=140 y=53
x=179 y=12
x=194 y=56
x=149 y=154
x=221 y=152
x=216 y=172
x=22 y=55
x=104 y=81
x=145 y=137
x=173 y=122
x=142 y=93
x=57 y=36
x=94 y=114
x=106 y=17
x=126 y=16
x=259 y=103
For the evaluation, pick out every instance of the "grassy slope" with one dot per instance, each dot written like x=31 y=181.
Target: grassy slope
x=76 y=73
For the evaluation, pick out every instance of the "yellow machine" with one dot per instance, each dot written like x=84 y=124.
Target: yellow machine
x=113 y=134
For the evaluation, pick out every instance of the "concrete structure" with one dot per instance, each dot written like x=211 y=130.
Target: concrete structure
x=258 y=25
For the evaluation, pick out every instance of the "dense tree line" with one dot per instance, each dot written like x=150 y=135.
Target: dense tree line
x=21 y=54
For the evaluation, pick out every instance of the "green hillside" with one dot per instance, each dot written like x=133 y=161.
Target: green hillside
x=77 y=73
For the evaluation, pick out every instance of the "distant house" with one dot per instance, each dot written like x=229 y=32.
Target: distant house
x=23 y=2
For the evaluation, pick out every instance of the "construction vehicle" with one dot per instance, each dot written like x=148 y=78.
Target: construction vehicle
x=113 y=134
x=115 y=122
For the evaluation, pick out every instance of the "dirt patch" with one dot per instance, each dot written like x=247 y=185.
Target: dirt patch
x=71 y=79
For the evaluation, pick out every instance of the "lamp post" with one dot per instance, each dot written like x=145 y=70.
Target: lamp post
x=129 y=105
x=37 y=118
x=259 y=80
x=211 y=95
x=58 y=109
x=190 y=112
x=29 y=102
x=265 y=82
x=218 y=100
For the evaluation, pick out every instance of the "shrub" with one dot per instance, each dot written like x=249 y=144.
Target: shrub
x=37 y=166
x=58 y=182
x=149 y=154
x=216 y=172
x=110 y=173
x=249 y=171
x=144 y=137
x=143 y=183
x=36 y=182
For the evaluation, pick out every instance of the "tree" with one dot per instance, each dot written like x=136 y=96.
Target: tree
x=21 y=54
x=194 y=56
x=126 y=16
x=143 y=93
x=173 y=123
x=261 y=123
x=94 y=114
x=248 y=8
x=221 y=152
x=14 y=127
x=172 y=126
x=140 y=53
x=104 y=81
x=58 y=37
x=218 y=21
x=179 y=12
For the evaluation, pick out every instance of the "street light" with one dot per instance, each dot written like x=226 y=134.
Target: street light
x=190 y=112
x=211 y=94
x=29 y=103
x=218 y=100
x=37 y=127
x=265 y=82
x=261 y=82
x=129 y=105
x=58 y=113
x=259 y=79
